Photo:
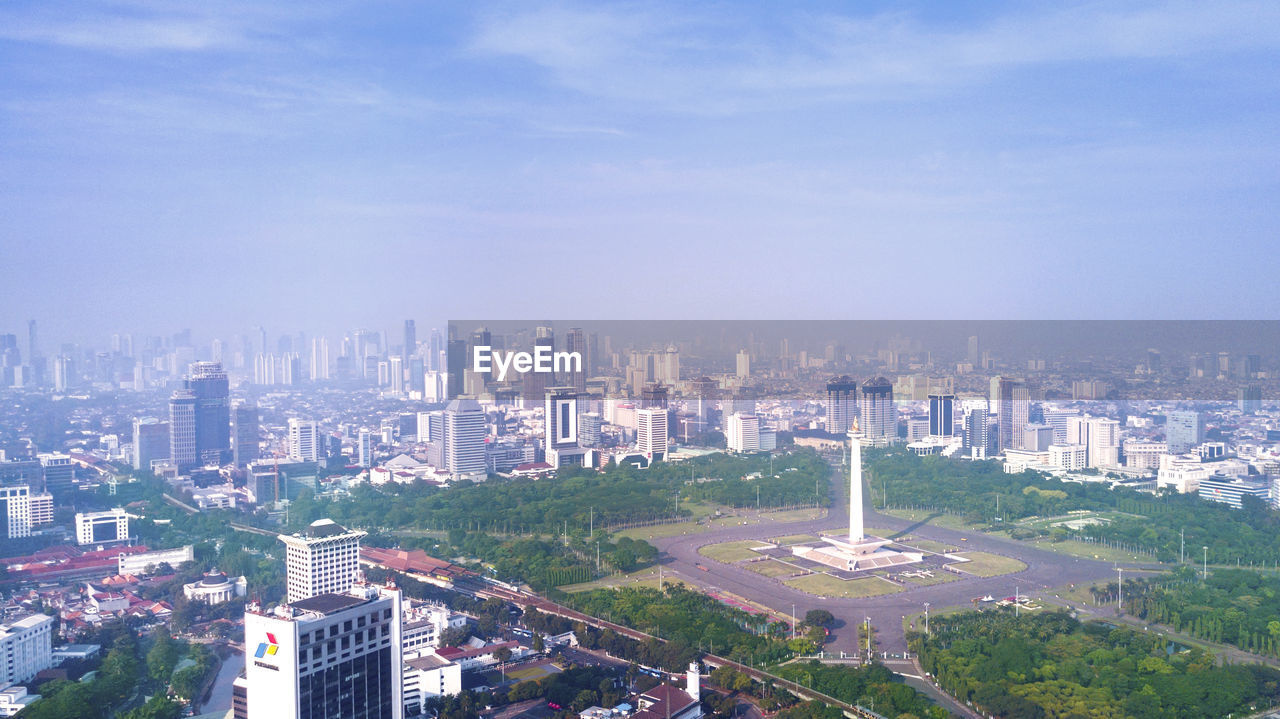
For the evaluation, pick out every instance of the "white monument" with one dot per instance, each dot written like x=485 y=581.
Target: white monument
x=857 y=551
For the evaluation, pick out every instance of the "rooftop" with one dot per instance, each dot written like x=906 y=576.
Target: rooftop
x=328 y=603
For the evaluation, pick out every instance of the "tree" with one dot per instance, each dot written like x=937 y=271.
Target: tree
x=818 y=618
x=503 y=654
x=163 y=656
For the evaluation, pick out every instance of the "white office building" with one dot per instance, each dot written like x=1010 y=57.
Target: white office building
x=15 y=509
x=305 y=441
x=651 y=432
x=464 y=439
x=330 y=656
x=324 y=558
x=742 y=433
x=26 y=647
x=1069 y=456
x=102 y=527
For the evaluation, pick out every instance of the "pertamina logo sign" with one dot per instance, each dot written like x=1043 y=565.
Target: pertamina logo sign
x=267 y=649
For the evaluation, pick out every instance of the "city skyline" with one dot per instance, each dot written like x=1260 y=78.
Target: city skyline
x=185 y=166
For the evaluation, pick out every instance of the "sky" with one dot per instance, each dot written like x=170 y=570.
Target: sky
x=227 y=165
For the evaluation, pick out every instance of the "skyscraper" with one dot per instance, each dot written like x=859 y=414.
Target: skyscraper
x=182 y=430
x=1012 y=400
x=208 y=383
x=464 y=439
x=941 y=415
x=576 y=377
x=563 y=446
x=150 y=442
x=975 y=353
x=1184 y=429
x=244 y=434
x=364 y=448
x=976 y=437
x=742 y=433
x=410 y=341
x=743 y=364
x=651 y=432
x=305 y=441
x=324 y=558
x=331 y=656
x=879 y=415
x=536 y=383
x=842 y=405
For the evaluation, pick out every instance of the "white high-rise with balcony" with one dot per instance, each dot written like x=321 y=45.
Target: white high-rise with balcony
x=324 y=558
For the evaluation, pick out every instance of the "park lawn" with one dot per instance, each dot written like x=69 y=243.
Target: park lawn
x=791 y=539
x=794 y=515
x=1076 y=548
x=773 y=568
x=946 y=521
x=677 y=529
x=730 y=552
x=829 y=586
x=929 y=545
x=984 y=564
x=640 y=578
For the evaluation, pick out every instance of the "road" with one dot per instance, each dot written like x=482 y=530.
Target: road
x=680 y=558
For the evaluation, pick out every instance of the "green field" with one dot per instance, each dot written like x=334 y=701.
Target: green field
x=939 y=577
x=647 y=577
x=946 y=521
x=1077 y=548
x=730 y=552
x=791 y=539
x=772 y=568
x=984 y=564
x=829 y=586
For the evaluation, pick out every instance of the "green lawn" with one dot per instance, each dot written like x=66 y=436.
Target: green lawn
x=729 y=552
x=984 y=564
x=773 y=568
x=947 y=521
x=791 y=539
x=939 y=577
x=829 y=586
x=640 y=578
x=1077 y=548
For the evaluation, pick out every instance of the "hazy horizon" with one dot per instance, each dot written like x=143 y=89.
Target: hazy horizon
x=291 y=166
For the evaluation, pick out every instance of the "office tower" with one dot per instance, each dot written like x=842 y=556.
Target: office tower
x=1104 y=442
x=245 y=446
x=1184 y=429
x=435 y=443
x=1036 y=437
x=364 y=448
x=59 y=472
x=15 y=511
x=182 y=430
x=324 y=558
x=743 y=364
x=651 y=432
x=1012 y=400
x=976 y=437
x=941 y=415
x=464 y=438
x=319 y=358
x=208 y=382
x=654 y=395
x=33 y=345
x=63 y=373
x=589 y=429
x=150 y=442
x=576 y=377
x=456 y=362
x=410 y=341
x=1057 y=419
x=1249 y=399
x=290 y=369
x=742 y=434
x=842 y=405
x=331 y=656
x=975 y=351
x=417 y=376
x=562 y=440
x=26 y=647
x=435 y=348
x=306 y=444
x=395 y=366
x=536 y=383
x=215 y=351
x=879 y=415
x=102 y=527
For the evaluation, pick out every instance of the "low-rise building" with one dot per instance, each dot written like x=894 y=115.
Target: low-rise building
x=215 y=588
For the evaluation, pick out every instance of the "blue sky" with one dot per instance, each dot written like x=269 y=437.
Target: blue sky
x=225 y=165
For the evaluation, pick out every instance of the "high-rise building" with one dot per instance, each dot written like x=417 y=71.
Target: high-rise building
x=589 y=429
x=563 y=440
x=464 y=438
x=1036 y=437
x=576 y=377
x=535 y=384
x=306 y=444
x=410 y=341
x=150 y=442
x=941 y=415
x=15 y=511
x=396 y=368
x=842 y=405
x=182 y=430
x=245 y=447
x=1249 y=399
x=742 y=433
x=330 y=656
x=26 y=647
x=879 y=415
x=364 y=448
x=59 y=472
x=324 y=558
x=651 y=432
x=319 y=358
x=743 y=364
x=1100 y=436
x=1184 y=429
x=976 y=433
x=207 y=381
x=1012 y=401
x=456 y=363
x=975 y=351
